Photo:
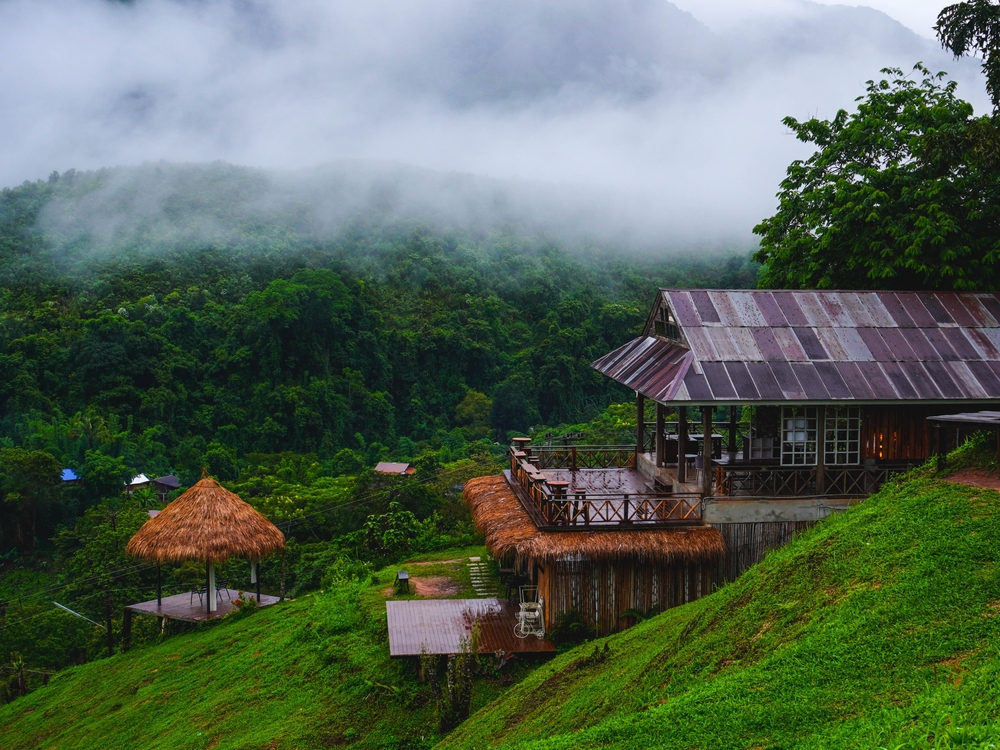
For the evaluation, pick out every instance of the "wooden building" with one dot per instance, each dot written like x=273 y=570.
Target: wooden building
x=773 y=409
x=608 y=575
x=812 y=398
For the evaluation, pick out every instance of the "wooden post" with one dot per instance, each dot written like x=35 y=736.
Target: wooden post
x=126 y=629
x=572 y=452
x=938 y=448
x=706 y=451
x=640 y=425
x=257 y=576
x=682 y=437
x=213 y=604
x=661 y=448
x=159 y=587
x=108 y=623
x=821 y=450
x=732 y=433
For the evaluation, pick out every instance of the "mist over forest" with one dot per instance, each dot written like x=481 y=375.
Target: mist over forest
x=645 y=117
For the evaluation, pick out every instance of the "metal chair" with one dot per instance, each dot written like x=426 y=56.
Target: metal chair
x=529 y=616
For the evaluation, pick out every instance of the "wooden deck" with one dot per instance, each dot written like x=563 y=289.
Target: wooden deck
x=188 y=608
x=437 y=626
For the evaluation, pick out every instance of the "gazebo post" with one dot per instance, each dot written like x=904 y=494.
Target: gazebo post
x=213 y=605
x=257 y=576
x=159 y=587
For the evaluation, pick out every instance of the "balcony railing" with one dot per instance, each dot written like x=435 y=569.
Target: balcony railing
x=769 y=481
x=557 y=505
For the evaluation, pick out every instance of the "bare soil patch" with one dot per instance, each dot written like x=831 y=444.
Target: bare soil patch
x=976 y=478
x=431 y=586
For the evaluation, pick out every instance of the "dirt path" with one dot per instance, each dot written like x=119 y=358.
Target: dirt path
x=976 y=478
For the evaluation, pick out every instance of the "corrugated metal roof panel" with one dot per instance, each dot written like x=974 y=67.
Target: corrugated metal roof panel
x=835 y=309
x=814 y=312
x=706 y=310
x=727 y=310
x=832 y=380
x=769 y=309
x=748 y=311
x=774 y=346
x=746 y=390
x=684 y=309
x=855 y=380
x=765 y=381
x=790 y=309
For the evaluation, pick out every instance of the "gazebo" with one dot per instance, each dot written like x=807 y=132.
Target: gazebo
x=210 y=524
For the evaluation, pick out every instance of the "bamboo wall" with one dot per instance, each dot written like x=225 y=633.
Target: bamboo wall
x=602 y=592
x=747 y=543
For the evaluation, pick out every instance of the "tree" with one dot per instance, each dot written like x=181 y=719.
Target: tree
x=28 y=482
x=902 y=193
x=974 y=26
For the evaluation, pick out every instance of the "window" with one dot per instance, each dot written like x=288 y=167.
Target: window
x=665 y=325
x=842 y=435
x=798 y=435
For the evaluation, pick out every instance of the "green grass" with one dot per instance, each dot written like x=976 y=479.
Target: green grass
x=877 y=628
x=309 y=673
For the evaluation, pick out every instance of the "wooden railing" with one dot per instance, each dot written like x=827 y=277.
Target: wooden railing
x=765 y=481
x=558 y=506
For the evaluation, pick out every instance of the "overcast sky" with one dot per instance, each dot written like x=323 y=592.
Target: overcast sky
x=673 y=109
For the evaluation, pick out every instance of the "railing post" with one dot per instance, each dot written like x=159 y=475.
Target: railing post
x=573 y=458
x=625 y=510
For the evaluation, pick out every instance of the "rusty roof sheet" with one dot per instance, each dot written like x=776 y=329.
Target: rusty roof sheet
x=764 y=346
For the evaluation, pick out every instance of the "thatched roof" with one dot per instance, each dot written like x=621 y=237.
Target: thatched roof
x=208 y=522
x=500 y=516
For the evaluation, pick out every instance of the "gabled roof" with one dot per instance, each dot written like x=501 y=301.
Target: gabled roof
x=814 y=346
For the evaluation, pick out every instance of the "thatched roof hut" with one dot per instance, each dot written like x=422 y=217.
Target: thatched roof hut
x=500 y=516
x=208 y=522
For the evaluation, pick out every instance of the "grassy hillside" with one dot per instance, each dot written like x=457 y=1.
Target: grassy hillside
x=304 y=674
x=878 y=628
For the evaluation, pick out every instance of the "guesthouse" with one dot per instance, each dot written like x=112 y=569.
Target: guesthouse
x=771 y=410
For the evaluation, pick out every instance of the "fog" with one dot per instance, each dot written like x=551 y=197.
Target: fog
x=630 y=115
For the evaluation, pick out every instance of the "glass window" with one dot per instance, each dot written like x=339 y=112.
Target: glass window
x=842 y=435
x=798 y=435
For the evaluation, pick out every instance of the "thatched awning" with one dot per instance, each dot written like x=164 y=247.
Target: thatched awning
x=500 y=516
x=208 y=522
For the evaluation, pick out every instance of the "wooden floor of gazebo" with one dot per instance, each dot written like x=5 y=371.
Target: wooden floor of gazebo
x=189 y=608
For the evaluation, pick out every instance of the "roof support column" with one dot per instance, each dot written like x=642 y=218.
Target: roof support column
x=661 y=448
x=682 y=438
x=640 y=426
x=821 y=450
x=706 y=451
x=732 y=433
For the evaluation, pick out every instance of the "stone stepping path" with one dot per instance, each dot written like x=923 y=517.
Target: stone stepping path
x=482 y=579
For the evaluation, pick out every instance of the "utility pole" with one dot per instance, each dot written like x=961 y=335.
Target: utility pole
x=107 y=618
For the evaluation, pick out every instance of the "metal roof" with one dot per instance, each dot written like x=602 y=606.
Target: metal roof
x=766 y=346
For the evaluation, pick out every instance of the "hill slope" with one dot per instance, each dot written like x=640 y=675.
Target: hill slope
x=310 y=673
x=878 y=627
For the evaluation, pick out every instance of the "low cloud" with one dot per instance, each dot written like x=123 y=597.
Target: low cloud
x=631 y=113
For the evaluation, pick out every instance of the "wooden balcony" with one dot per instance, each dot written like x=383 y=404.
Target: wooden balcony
x=577 y=488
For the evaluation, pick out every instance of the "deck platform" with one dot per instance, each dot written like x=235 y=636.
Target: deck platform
x=437 y=626
x=188 y=608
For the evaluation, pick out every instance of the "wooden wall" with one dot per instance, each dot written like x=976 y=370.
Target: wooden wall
x=747 y=543
x=602 y=592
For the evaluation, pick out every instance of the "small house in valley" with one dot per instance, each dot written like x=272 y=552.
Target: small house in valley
x=771 y=409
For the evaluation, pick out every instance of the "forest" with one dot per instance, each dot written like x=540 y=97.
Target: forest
x=284 y=361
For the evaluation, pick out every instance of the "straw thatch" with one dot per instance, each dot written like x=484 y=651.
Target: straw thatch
x=208 y=522
x=499 y=514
